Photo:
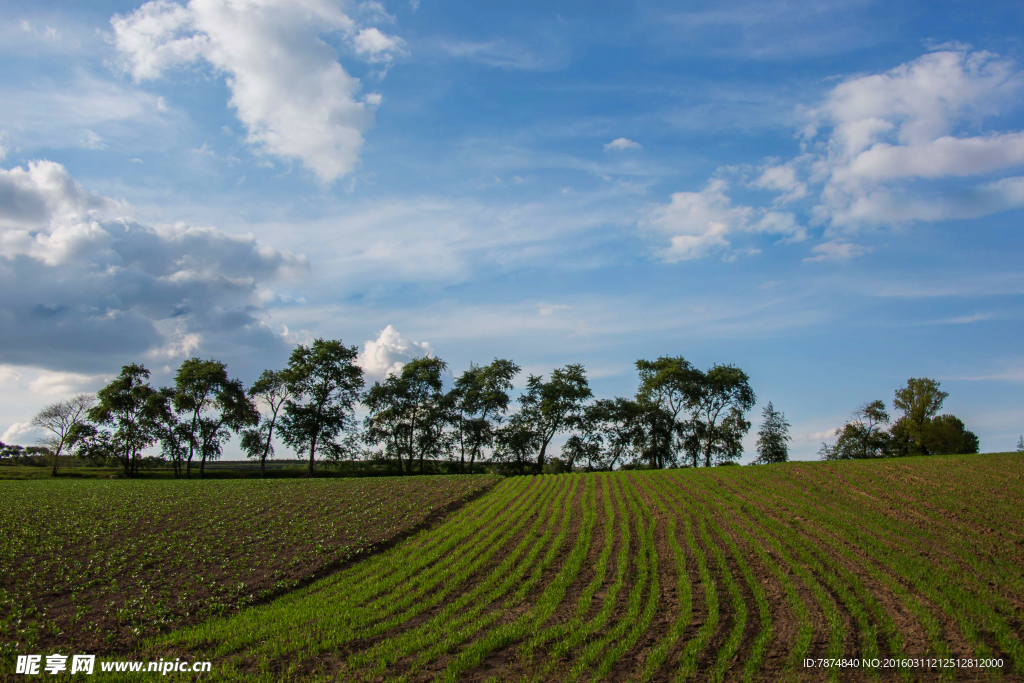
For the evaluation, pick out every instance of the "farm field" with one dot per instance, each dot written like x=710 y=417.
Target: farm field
x=95 y=565
x=731 y=574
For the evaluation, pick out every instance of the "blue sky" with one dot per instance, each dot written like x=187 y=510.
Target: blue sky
x=828 y=195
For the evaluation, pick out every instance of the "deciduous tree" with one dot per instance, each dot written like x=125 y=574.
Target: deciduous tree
x=669 y=386
x=270 y=390
x=60 y=420
x=325 y=384
x=718 y=401
x=919 y=401
x=410 y=413
x=479 y=401
x=516 y=442
x=554 y=406
x=126 y=406
x=211 y=405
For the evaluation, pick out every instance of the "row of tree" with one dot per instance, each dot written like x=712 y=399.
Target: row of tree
x=680 y=416
x=919 y=429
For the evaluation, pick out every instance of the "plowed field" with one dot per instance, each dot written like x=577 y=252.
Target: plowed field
x=908 y=569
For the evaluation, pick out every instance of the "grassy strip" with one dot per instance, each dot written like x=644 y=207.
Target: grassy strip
x=994 y=571
x=468 y=605
x=764 y=635
x=593 y=650
x=971 y=608
x=824 y=600
x=805 y=627
x=839 y=578
x=582 y=631
x=333 y=609
x=543 y=608
x=653 y=595
x=828 y=534
x=428 y=547
x=583 y=604
x=684 y=592
x=696 y=644
x=467 y=632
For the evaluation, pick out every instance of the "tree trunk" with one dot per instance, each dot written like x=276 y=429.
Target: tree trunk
x=56 y=458
x=540 y=456
x=398 y=453
x=462 y=446
x=266 y=451
x=312 y=455
x=192 y=443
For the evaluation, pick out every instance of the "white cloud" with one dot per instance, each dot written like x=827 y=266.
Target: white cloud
x=822 y=435
x=698 y=223
x=62 y=115
x=837 y=250
x=80 y=281
x=62 y=383
x=882 y=150
x=21 y=433
x=376 y=46
x=943 y=157
x=9 y=375
x=783 y=179
x=907 y=125
x=621 y=144
x=287 y=87
x=388 y=353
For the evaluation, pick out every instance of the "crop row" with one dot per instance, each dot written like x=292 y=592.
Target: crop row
x=97 y=565
x=725 y=575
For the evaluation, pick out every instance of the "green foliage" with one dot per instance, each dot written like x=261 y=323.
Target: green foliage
x=479 y=402
x=773 y=438
x=555 y=406
x=918 y=431
x=516 y=442
x=324 y=383
x=271 y=390
x=720 y=399
x=409 y=413
x=127 y=405
x=211 y=405
x=863 y=437
x=670 y=387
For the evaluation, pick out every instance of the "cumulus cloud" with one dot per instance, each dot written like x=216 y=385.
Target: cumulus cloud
x=21 y=433
x=782 y=179
x=287 y=86
x=621 y=144
x=898 y=147
x=376 y=46
x=887 y=130
x=698 y=223
x=388 y=353
x=81 y=283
